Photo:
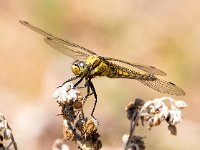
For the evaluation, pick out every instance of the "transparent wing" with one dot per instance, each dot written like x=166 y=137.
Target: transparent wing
x=70 y=48
x=163 y=86
x=148 y=69
x=79 y=55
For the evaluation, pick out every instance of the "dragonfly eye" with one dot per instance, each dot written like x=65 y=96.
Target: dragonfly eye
x=81 y=64
x=78 y=67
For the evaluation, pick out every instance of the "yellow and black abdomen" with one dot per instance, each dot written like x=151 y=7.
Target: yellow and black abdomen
x=121 y=72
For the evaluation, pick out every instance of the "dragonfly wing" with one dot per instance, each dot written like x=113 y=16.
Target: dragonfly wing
x=148 y=69
x=163 y=86
x=69 y=44
x=69 y=51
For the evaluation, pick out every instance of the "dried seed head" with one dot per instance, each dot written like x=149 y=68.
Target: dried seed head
x=138 y=140
x=152 y=110
x=88 y=145
x=68 y=113
x=78 y=104
x=1 y=138
x=132 y=107
x=97 y=145
x=180 y=104
x=2 y=125
x=90 y=127
x=66 y=94
x=135 y=143
x=130 y=110
x=76 y=126
x=125 y=138
x=156 y=111
x=79 y=124
x=59 y=145
x=172 y=129
x=174 y=117
x=7 y=134
x=67 y=132
x=92 y=144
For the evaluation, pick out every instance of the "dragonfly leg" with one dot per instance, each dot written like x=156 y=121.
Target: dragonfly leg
x=88 y=89
x=91 y=86
x=81 y=87
x=85 y=85
x=71 y=79
x=88 y=92
x=79 y=81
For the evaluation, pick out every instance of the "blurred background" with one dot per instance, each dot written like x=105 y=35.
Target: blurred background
x=164 y=34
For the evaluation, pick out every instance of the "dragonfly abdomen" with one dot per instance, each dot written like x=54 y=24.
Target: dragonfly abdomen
x=116 y=71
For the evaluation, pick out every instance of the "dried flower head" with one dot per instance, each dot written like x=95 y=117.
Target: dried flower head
x=90 y=127
x=96 y=145
x=135 y=142
x=67 y=132
x=156 y=111
x=172 y=129
x=68 y=113
x=133 y=107
x=2 y=125
x=59 y=145
x=77 y=127
x=153 y=112
x=67 y=94
x=6 y=134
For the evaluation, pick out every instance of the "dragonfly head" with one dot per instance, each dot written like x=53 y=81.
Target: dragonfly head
x=79 y=67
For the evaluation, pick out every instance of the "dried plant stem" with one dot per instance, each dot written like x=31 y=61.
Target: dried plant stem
x=12 y=140
x=134 y=120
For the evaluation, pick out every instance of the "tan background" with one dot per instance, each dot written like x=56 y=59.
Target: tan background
x=165 y=34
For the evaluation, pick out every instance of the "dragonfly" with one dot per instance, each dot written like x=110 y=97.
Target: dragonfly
x=88 y=65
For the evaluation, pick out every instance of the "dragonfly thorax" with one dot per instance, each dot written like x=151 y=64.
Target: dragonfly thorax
x=79 y=67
